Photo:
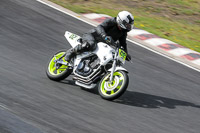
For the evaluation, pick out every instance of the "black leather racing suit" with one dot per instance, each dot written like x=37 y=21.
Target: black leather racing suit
x=108 y=28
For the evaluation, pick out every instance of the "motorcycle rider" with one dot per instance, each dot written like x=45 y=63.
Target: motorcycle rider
x=110 y=30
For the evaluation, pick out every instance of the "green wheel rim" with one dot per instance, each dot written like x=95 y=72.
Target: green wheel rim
x=52 y=65
x=110 y=89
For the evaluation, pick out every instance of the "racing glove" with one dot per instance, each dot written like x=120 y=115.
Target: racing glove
x=107 y=39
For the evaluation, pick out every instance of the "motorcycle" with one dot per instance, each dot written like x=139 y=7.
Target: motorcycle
x=102 y=67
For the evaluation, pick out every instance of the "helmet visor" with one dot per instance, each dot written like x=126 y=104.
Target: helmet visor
x=129 y=26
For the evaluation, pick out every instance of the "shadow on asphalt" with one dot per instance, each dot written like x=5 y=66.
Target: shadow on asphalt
x=151 y=101
x=69 y=82
x=141 y=99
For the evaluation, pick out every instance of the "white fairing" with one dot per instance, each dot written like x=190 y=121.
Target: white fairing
x=103 y=51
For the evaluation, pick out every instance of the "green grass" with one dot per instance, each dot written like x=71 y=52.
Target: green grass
x=165 y=18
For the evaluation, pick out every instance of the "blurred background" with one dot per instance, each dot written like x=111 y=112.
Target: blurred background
x=176 y=20
x=162 y=97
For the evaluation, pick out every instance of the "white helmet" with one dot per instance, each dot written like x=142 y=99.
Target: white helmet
x=125 y=20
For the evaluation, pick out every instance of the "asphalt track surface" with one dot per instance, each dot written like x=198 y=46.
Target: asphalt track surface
x=163 y=96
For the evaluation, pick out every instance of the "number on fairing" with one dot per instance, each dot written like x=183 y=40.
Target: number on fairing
x=73 y=36
x=122 y=56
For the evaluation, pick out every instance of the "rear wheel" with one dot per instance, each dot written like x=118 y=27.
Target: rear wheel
x=111 y=91
x=56 y=71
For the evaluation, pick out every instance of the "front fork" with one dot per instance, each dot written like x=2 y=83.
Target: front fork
x=114 y=65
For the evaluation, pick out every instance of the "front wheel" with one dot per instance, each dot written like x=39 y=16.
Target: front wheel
x=56 y=71
x=111 y=91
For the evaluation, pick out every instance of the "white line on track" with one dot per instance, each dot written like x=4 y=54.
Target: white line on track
x=127 y=39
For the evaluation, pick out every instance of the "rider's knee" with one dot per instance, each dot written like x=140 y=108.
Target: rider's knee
x=90 y=45
x=93 y=45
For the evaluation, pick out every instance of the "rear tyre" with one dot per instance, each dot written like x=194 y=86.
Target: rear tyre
x=57 y=71
x=114 y=90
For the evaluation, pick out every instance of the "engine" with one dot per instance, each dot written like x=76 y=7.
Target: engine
x=88 y=65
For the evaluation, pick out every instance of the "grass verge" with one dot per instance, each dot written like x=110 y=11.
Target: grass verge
x=176 y=20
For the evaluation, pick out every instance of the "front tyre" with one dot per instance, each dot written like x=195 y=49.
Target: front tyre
x=56 y=71
x=111 y=91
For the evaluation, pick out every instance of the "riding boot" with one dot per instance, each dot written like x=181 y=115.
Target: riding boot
x=76 y=50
